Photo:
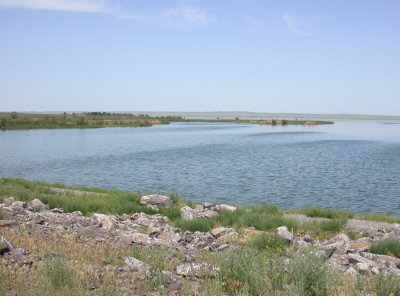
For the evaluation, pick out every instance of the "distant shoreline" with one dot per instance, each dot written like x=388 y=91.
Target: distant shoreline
x=234 y=114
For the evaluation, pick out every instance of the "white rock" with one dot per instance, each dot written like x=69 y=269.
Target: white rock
x=188 y=213
x=8 y=200
x=284 y=232
x=105 y=221
x=363 y=268
x=220 y=231
x=227 y=208
x=37 y=205
x=137 y=265
x=156 y=200
x=205 y=269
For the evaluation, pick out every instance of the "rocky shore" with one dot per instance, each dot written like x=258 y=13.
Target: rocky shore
x=185 y=252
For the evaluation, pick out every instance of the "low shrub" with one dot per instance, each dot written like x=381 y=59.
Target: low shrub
x=389 y=247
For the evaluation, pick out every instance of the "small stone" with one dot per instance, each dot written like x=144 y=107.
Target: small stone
x=205 y=269
x=137 y=265
x=142 y=239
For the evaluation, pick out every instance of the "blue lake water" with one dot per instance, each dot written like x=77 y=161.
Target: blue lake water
x=351 y=165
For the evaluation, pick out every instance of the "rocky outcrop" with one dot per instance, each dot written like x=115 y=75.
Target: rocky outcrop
x=208 y=210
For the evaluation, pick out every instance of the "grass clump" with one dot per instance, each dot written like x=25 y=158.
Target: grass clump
x=202 y=225
x=243 y=272
x=388 y=247
x=269 y=243
x=311 y=276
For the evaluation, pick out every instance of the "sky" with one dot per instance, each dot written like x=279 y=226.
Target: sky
x=332 y=57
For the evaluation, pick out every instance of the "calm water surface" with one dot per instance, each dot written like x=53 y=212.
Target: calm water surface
x=351 y=165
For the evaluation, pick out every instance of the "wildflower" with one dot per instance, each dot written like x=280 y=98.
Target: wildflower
x=130 y=245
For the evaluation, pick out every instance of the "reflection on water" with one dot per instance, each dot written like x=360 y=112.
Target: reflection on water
x=349 y=165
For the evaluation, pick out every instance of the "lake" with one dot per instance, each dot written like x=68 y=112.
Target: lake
x=352 y=165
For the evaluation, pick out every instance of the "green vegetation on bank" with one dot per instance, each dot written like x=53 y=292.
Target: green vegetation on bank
x=390 y=247
x=262 y=217
x=16 y=121
x=260 y=267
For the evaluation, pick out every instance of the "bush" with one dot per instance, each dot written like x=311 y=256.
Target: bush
x=202 y=225
x=389 y=247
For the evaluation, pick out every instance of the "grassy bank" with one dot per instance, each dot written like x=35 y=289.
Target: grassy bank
x=16 y=121
x=262 y=217
x=71 y=265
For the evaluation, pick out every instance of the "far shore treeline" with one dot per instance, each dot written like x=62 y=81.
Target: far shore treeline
x=16 y=121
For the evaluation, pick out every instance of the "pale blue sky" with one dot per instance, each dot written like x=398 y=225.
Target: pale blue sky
x=187 y=55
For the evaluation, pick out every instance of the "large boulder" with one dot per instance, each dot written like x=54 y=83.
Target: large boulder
x=221 y=231
x=160 y=201
x=105 y=221
x=38 y=206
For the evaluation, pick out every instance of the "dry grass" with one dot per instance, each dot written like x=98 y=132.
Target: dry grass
x=76 y=265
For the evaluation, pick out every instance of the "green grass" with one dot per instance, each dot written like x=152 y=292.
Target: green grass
x=380 y=218
x=264 y=217
x=243 y=271
x=327 y=213
x=269 y=243
x=389 y=247
x=113 y=202
x=202 y=225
